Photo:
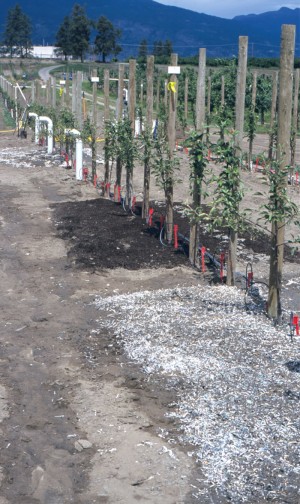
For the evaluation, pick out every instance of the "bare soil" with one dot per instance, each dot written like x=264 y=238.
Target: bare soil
x=81 y=424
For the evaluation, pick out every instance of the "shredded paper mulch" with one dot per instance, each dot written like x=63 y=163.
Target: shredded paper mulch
x=236 y=379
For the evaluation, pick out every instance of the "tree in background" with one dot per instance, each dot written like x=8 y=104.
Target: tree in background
x=263 y=96
x=162 y=50
x=17 y=33
x=143 y=51
x=63 y=38
x=106 y=38
x=80 y=31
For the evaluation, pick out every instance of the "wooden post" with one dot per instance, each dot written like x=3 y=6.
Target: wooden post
x=239 y=127
x=295 y=113
x=273 y=113
x=222 y=91
x=120 y=91
x=285 y=101
x=119 y=118
x=74 y=92
x=165 y=95
x=131 y=114
x=149 y=124
x=241 y=92
x=172 y=144
x=254 y=88
x=106 y=95
x=132 y=93
x=208 y=94
x=186 y=97
x=200 y=121
x=53 y=82
x=208 y=107
x=200 y=98
x=68 y=91
x=33 y=94
x=79 y=111
x=95 y=85
x=48 y=92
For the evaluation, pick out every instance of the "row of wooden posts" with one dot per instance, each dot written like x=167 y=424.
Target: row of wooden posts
x=283 y=81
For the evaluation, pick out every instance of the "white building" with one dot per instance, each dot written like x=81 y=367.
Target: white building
x=44 y=52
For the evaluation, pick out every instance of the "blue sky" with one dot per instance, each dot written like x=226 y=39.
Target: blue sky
x=230 y=8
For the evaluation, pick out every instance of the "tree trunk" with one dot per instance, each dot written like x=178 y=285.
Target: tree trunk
x=129 y=173
x=169 y=212
x=94 y=157
x=118 y=172
x=231 y=263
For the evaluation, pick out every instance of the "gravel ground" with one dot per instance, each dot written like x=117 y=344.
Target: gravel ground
x=237 y=382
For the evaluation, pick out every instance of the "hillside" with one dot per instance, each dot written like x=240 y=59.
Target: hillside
x=146 y=19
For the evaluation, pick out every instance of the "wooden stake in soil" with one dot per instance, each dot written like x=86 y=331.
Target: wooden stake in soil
x=67 y=91
x=95 y=86
x=222 y=91
x=106 y=95
x=132 y=93
x=200 y=121
x=186 y=97
x=149 y=124
x=285 y=101
x=172 y=143
x=295 y=113
x=239 y=127
x=273 y=114
x=120 y=91
x=131 y=113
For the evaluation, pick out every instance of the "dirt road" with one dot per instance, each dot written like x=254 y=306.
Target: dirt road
x=73 y=430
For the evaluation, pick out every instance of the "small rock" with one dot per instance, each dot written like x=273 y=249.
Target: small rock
x=82 y=444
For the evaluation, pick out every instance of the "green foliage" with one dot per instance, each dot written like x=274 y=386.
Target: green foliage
x=162 y=51
x=165 y=165
x=63 y=38
x=223 y=121
x=79 y=32
x=106 y=38
x=279 y=209
x=229 y=191
x=73 y=35
x=17 y=33
x=263 y=96
x=198 y=161
x=127 y=146
x=143 y=51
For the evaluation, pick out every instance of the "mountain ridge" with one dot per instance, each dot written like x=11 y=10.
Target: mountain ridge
x=147 y=19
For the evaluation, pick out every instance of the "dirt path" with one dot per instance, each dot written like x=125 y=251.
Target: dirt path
x=75 y=428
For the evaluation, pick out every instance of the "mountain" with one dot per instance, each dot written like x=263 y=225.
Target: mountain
x=147 y=19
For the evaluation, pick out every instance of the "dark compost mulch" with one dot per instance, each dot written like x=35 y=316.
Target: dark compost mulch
x=103 y=235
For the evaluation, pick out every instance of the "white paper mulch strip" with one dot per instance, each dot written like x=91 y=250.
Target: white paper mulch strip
x=236 y=377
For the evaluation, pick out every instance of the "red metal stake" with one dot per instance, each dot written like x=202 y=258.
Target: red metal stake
x=176 y=236
x=151 y=212
x=133 y=203
x=85 y=172
x=119 y=194
x=95 y=180
x=203 y=250
x=296 y=324
x=250 y=279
